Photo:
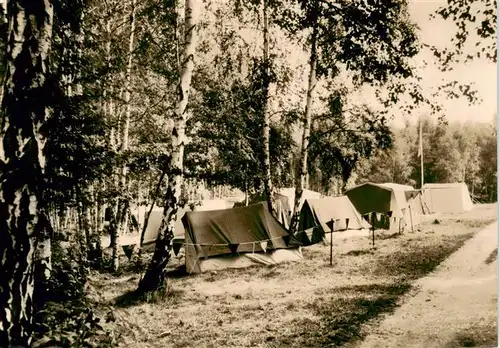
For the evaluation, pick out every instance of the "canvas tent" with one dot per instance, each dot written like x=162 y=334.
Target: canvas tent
x=155 y=221
x=283 y=212
x=316 y=215
x=396 y=205
x=289 y=193
x=236 y=237
x=213 y=204
x=447 y=198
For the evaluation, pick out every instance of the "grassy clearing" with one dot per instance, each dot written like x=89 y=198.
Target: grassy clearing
x=297 y=304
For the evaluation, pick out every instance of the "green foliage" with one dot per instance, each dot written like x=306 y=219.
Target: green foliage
x=71 y=324
x=231 y=134
x=341 y=138
x=67 y=319
x=476 y=21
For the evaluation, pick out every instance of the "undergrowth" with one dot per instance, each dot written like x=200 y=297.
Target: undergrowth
x=68 y=318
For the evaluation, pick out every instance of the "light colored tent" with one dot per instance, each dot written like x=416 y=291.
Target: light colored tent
x=213 y=204
x=237 y=237
x=316 y=216
x=283 y=212
x=447 y=198
x=290 y=194
x=395 y=200
x=154 y=225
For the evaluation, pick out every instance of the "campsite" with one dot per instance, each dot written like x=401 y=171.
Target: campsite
x=305 y=303
x=235 y=173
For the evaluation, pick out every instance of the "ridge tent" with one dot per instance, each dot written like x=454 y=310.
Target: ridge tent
x=283 y=212
x=290 y=194
x=234 y=238
x=387 y=198
x=447 y=198
x=154 y=224
x=316 y=214
x=157 y=215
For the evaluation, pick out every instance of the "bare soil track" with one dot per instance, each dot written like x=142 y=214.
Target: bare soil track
x=456 y=305
x=312 y=304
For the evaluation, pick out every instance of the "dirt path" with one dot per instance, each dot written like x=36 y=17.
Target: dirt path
x=455 y=305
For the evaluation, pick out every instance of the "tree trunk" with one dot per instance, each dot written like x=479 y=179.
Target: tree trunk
x=123 y=204
x=114 y=227
x=43 y=262
x=22 y=141
x=268 y=184
x=146 y=219
x=300 y=184
x=154 y=278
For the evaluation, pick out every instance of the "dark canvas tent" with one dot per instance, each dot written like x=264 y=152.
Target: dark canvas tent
x=236 y=237
x=316 y=215
x=393 y=201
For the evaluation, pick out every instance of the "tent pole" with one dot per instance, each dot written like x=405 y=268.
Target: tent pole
x=373 y=228
x=421 y=158
x=331 y=244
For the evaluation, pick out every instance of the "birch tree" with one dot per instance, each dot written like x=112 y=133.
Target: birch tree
x=155 y=275
x=268 y=184
x=372 y=42
x=22 y=160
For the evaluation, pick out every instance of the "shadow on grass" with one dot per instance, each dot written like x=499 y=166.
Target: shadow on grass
x=419 y=260
x=383 y=236
x=341 y=318
x=491 y=257
x=134 y=298
x=475 y=336
x=358 y=252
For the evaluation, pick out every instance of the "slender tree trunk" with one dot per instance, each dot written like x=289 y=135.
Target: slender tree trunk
x=302 y=182
x=123 y=205
x=22 y=141
x=113 y=141
x=154 y=278
x=268 y=184
x=246 y=191
x=114 y=229
x=146 y=219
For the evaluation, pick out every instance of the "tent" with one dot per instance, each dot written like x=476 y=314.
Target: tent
x=396 y=205
x=290 y=194
x=316 y=215
x=154 y=224
x=283 y=212
x=236 y=237
x=447 y=198
x=213 y=204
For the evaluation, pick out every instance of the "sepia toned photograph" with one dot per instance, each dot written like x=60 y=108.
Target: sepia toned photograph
x=248 y=173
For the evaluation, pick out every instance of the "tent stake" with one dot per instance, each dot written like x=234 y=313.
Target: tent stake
x=331 y=244
x=373 y=228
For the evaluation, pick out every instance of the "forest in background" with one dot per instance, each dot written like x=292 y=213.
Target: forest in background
x=110 y=104
x=453 y=152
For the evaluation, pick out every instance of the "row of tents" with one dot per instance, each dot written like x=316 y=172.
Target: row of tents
x=217 y=236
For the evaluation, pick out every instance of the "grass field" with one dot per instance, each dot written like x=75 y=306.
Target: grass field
x=297 y=304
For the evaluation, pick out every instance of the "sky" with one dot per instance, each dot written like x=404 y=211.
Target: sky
x=481 y=72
